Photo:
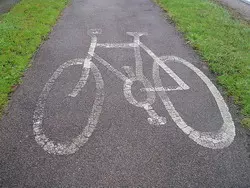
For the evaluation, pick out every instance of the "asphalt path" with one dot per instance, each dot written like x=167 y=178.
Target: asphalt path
x=97 y=132
x=6 y=5
x=242 y=7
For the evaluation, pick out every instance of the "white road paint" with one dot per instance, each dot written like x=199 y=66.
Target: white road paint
x=110 y=68
x=163 y=89
x=154 y=118
x=180 y=82
x=121 y=45
x=128 y=82
x=215 y=140
x=68 y=147
x=86 y=65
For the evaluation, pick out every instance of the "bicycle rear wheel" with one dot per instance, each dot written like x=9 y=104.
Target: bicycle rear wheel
x=68 y=147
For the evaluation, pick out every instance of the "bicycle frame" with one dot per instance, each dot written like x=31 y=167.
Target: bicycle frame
x=139 y=76
x=214 y=140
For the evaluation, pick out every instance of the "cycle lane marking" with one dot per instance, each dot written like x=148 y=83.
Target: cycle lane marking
x=171 y=73
x=68 y=147
x=81 y=83
x=214 y=140
x=153 y=118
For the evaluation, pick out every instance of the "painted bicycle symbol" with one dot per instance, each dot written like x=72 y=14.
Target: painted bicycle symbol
x=214 y=140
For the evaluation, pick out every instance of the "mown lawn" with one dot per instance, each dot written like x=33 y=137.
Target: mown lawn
x=222 y=41
x=21 y=32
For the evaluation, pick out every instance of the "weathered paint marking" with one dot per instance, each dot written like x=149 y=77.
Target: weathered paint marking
x=215 y=140
x=68 y=147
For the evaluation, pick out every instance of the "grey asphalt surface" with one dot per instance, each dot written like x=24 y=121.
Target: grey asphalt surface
x=240 y=6
x=5 y=5
x=124 y=150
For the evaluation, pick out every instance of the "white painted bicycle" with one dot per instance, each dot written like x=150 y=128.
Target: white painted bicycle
x=214 y=140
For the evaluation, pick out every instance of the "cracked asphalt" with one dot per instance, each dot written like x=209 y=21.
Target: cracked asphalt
x=124 y=150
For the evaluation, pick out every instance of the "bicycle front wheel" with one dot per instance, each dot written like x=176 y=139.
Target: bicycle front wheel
x=214 y=140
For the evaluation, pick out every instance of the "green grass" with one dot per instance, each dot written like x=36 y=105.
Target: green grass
x=222 y=41
x=21 y=32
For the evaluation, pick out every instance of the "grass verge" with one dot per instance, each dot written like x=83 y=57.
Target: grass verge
x=21 y=32
x=222 y=41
